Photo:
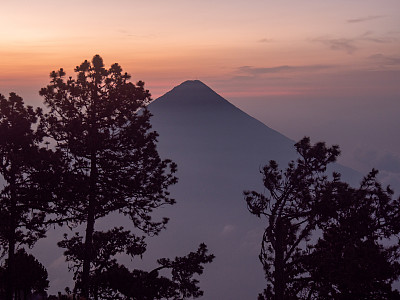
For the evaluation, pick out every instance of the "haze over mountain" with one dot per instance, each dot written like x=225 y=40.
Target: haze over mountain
x=219 y=150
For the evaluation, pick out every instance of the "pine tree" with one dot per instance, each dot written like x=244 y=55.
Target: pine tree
x=293 y=206
x=30 y=177
x=357 y=256
x=32 y=275
x=110 y=280
x=102 y=127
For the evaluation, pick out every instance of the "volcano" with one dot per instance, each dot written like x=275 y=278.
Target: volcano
x=219 y=150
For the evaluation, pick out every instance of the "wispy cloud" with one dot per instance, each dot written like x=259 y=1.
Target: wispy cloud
x=364 y=19
x=343 y=44
x=382 y=161
x=265 y=40
x=128 y=33
x=254 y=71
x=385 y=59
x=369 y=36
x=387 y=163
x=228 y=229
x=350 y=45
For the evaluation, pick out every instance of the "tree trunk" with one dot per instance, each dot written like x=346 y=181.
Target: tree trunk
x=89 y=228
x=10 y=287
x=279 y=264
x=91 y=217
x=10 y=266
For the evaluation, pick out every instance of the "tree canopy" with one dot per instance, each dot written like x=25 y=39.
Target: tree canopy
x=32 y=276
x=30 y=172
x=101 y=126
x=358 y=255
x=352 y=259
x=292 y=209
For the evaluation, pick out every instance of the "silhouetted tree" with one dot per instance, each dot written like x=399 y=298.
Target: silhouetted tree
x=32 y=275
x=293 y=208
x=29 y=173
x=105 y=246
x=100 y=123
x=358 y=255
x=109 y=280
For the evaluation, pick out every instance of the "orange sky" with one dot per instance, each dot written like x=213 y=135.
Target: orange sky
x=166 y=42
x=289 y=63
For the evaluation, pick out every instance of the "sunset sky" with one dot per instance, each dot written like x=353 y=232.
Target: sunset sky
x=327 y=69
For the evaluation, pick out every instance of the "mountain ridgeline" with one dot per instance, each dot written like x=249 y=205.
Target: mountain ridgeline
x=193 y=117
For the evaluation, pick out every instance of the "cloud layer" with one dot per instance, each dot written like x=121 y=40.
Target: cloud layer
x=255 y=71
x=364 y=19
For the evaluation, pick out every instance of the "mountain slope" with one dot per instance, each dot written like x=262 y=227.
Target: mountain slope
x=219 y=150
x=198 y=126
